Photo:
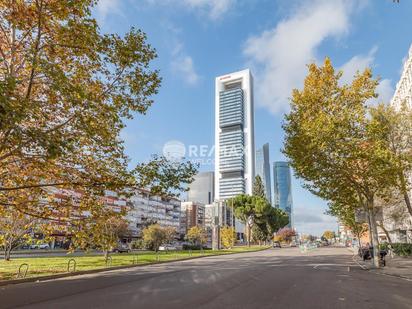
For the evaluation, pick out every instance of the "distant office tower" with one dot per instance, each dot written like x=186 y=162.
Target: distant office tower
x=282 y=194
x=263 y=169
x=234 y=135
x=403 y=92
x=202 y=189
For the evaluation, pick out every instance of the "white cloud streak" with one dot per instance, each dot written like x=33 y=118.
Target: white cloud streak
x=105 y=7
x=359 y=63
x=279 y=56
x=183 y=65
x=214 y=9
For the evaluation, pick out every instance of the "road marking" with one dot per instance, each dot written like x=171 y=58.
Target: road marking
x=315 y=266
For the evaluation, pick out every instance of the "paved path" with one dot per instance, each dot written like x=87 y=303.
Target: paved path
x=275 y=278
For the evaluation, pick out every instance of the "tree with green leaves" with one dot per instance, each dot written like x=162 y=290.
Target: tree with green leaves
x=257 y=211
x=346 y=215
x=260 y=233
x=258 y=187
x=394 y=128
x=331 y=142
x=66 y=91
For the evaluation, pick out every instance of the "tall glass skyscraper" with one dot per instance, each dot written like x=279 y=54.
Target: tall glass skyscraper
x=234 y=135
x=282 y=194
x=263 y=169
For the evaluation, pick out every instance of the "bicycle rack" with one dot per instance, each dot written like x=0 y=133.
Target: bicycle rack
x=109 y=261
x=69 y=263
x=19 y=274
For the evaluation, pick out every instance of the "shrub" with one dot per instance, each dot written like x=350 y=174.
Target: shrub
x=402 y=249
x=138 y=244
x=191 y=247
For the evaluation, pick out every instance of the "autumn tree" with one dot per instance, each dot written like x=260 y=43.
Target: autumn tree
x=15 y=230
x=170 y=234
x=66 y=90
x=328 y=235
x=197 y=236
x=227 y=237
x=394 y=129
x=154 y=236
x=331 y=143
x=286 y=234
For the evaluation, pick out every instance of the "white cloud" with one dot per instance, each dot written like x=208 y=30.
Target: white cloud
x=279 y=56
x=385 y=91
x=312 y=220
x=105 y=7
x=213 y=8
x=183 y=65
x=357 y=63
x=361 y=62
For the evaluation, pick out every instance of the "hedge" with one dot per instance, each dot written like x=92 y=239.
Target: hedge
x=401 y=249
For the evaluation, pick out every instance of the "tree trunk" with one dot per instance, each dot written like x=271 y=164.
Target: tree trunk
x=359 y=242
x=106 y=255
x=407 y=202
x=7 y=253
x=249 y=229
x=375 y=238
x=385 y=231
x=406 y=197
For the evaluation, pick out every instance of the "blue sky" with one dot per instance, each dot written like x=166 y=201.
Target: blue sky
x=197 y=40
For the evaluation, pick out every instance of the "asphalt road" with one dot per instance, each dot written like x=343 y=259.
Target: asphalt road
x=275 y=278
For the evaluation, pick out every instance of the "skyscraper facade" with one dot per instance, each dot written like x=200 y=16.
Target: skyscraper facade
x=202 y=189
x=403 y=92
x=282 y=185
x=263 y=169
x=234 y=135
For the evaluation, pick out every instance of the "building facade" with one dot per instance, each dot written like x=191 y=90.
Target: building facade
x=263 y=169
x=400 y=227
x=192 y=214
x=234 y=135
x=282 y=189
x=145 y=208
x=202 y=189
x=403 y=92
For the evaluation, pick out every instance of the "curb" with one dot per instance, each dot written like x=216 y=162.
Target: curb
x=377 y=272
x=100 y=270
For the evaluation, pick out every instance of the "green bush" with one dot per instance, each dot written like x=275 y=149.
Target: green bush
x=402 y=249
x=138 y=244
x=384 y=246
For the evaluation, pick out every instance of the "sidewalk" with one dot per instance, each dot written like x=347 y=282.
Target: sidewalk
x=397 y=266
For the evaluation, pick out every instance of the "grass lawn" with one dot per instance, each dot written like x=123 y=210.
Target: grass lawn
x=42 y=266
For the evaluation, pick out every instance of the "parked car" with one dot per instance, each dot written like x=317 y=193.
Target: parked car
x=276 y=244
x=167 y=248
x=121 y=248
x=40 y=246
